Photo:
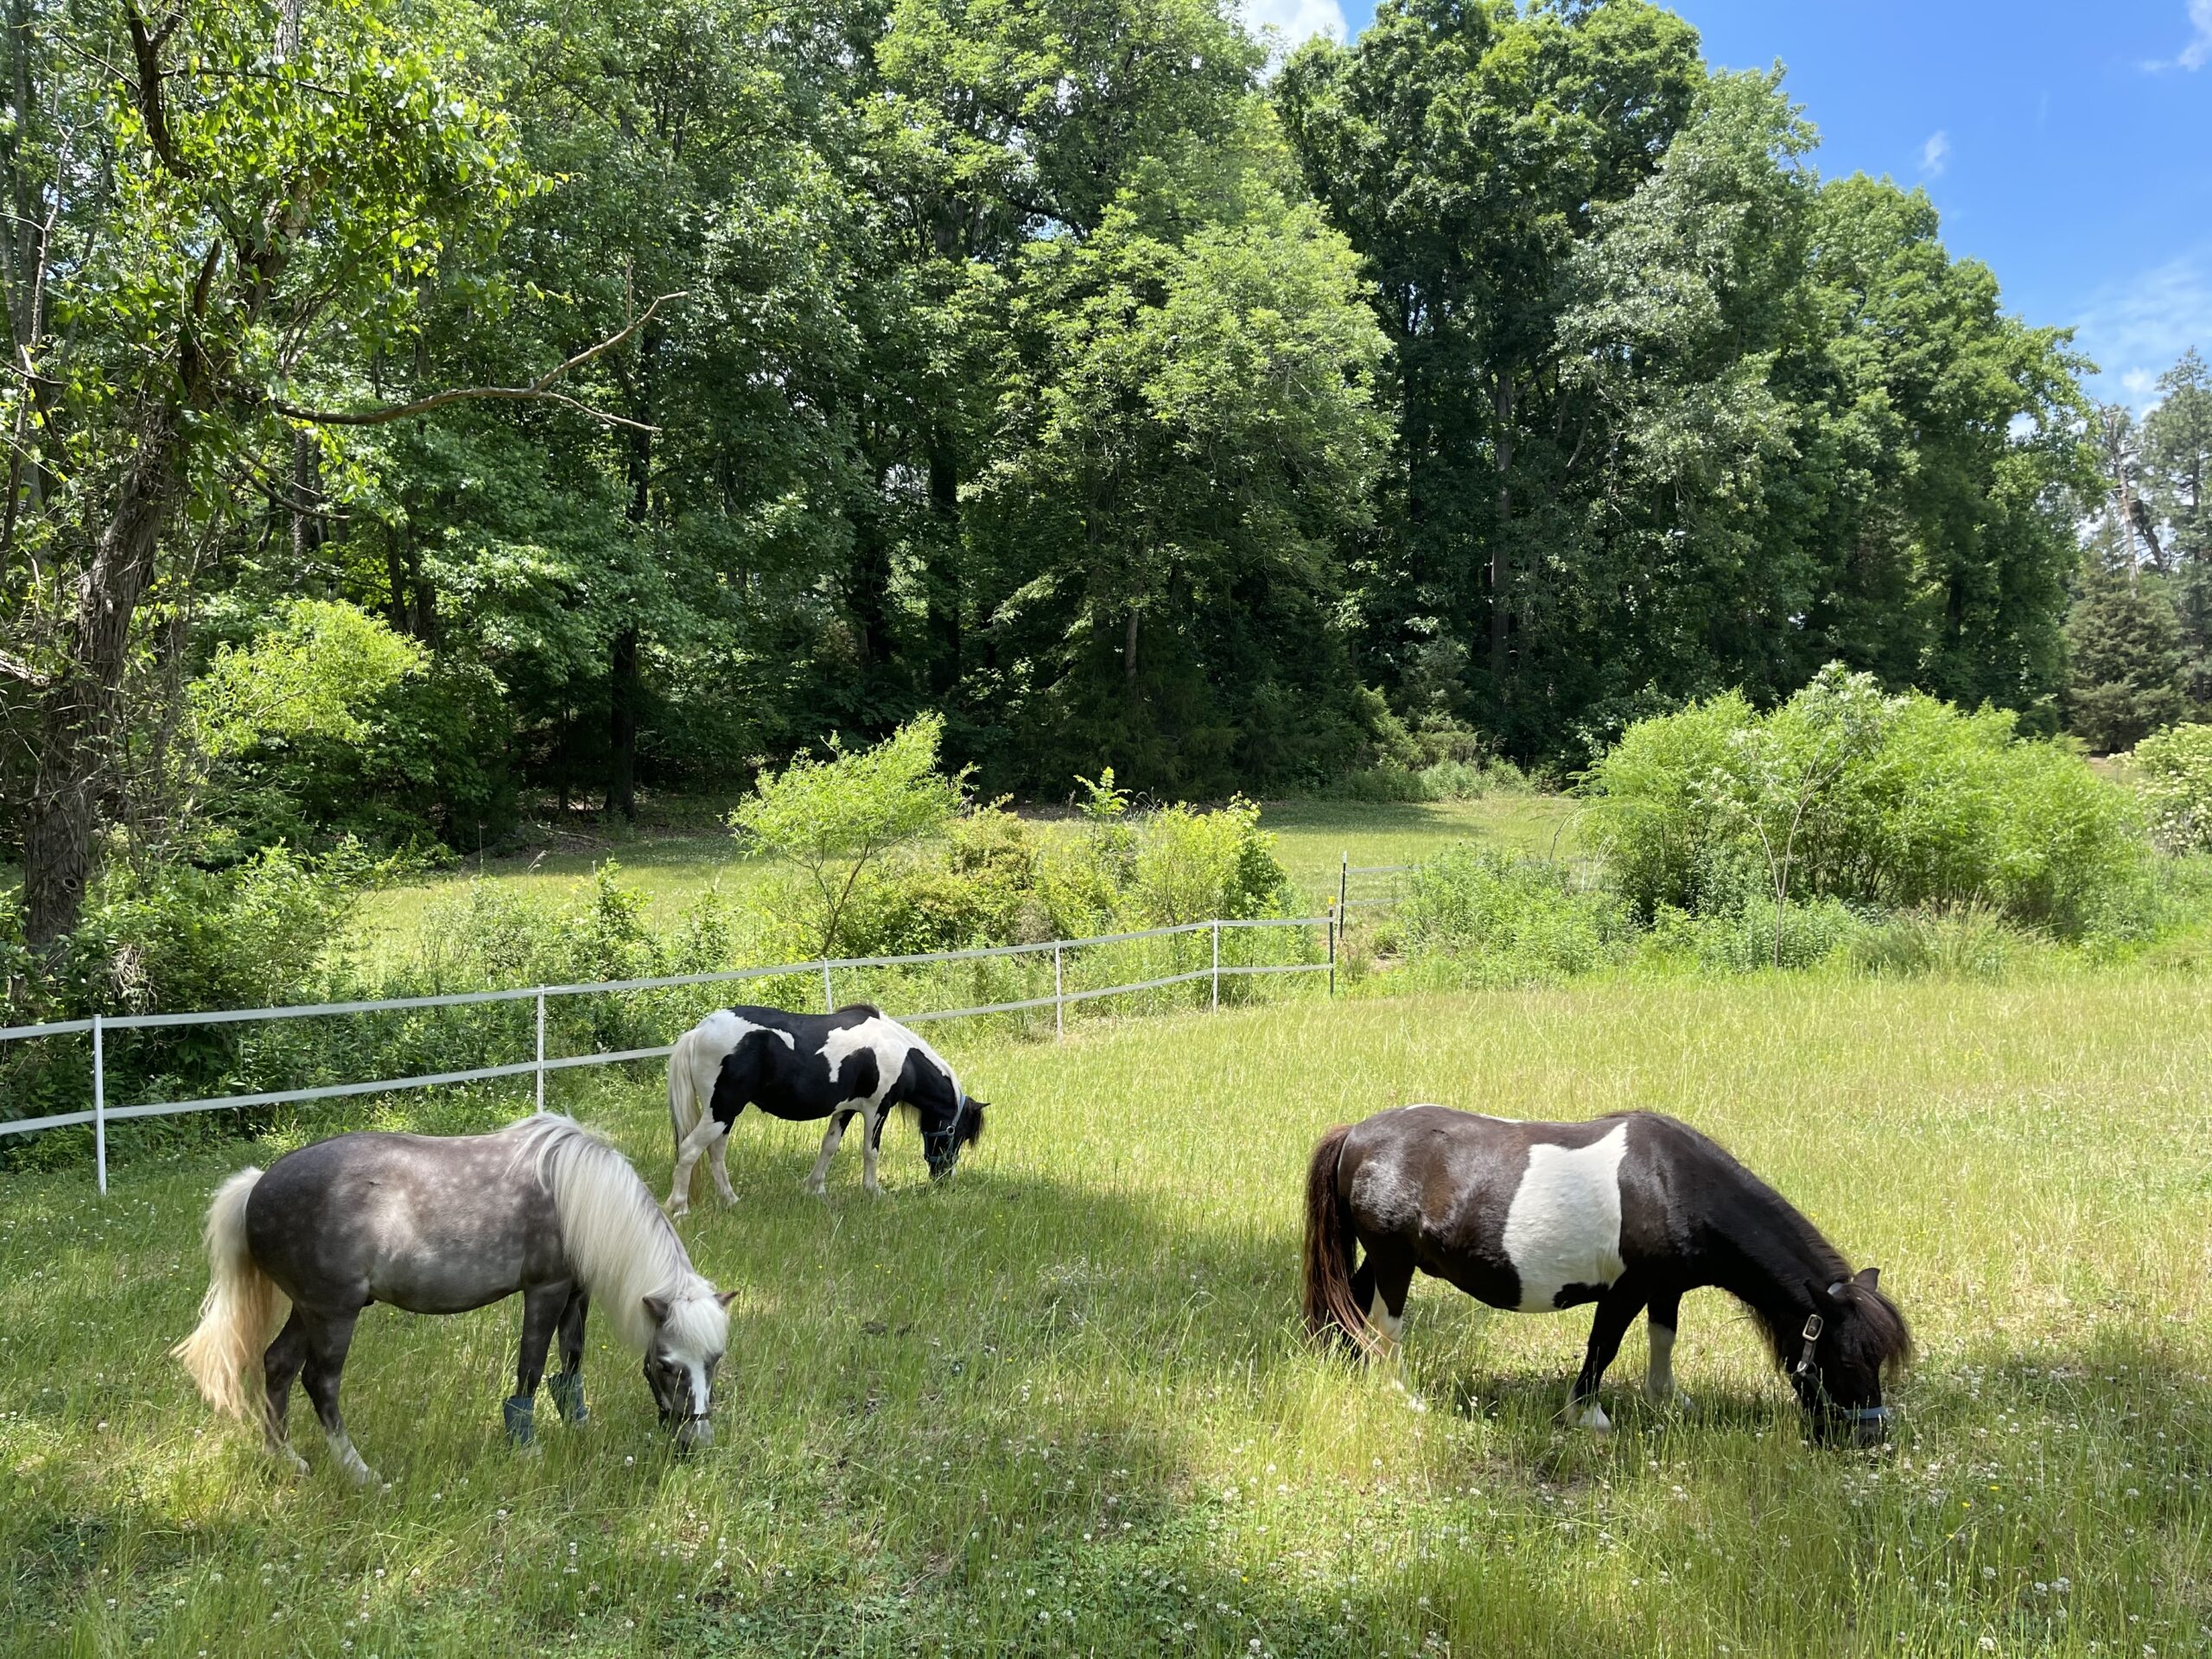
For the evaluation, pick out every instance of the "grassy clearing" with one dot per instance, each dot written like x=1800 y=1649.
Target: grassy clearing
x=672 y=857
x=1062 y=1406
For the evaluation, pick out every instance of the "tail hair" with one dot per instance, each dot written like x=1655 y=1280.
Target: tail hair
x=241 y=1312
x=683 y=1098
x=1331 y=1309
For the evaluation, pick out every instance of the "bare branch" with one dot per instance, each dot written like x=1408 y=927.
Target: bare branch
x=17 y=668
x=536 y=390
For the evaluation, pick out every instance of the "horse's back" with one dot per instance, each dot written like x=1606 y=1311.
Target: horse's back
x=433 y=1224
x=1519 y=1214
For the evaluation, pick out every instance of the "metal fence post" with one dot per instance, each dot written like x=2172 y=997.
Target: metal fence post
x=541 y=1048
x=829 y=997
x=1059 y=997
x=1343 y=890
x=99 y=1102
x=1217 y=967
x=1335 y=922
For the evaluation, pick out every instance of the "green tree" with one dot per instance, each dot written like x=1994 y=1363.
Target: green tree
x=2127 y=655
x=832 y=818
x=2177 y=459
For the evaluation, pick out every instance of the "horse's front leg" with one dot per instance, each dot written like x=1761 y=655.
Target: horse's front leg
x=326 y=1338
x=1661 y=1322
x=815 y=1181
x=1617 y=1310
x=542 y=1308
x=280 y=1369
x=872 y=1148
x=567 y=1384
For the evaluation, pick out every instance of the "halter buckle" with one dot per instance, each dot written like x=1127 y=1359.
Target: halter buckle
x=1814 y=1326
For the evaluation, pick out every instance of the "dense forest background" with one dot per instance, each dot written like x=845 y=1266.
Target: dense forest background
x=418 y=408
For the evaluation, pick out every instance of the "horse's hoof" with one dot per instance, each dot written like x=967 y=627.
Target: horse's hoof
x=293 y=1464
x=1595 y=1420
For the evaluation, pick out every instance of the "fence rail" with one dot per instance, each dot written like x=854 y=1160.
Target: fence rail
x=97 y=1026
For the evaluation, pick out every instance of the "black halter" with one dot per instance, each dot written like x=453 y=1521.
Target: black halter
x=1860 y=1416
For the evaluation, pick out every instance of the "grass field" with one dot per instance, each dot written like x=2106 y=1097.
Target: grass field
x=1063 y=1406
x=673 y=855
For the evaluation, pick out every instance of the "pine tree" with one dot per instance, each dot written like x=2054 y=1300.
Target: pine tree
x=2127 y=655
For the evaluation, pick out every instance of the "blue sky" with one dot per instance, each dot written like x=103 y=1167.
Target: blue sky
x=2069 y=147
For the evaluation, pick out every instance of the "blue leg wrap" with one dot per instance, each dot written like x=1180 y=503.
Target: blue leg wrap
x=521 y=1412
x=566 y=1388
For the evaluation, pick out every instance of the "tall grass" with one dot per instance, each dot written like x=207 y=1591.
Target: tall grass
x=1062 y=1405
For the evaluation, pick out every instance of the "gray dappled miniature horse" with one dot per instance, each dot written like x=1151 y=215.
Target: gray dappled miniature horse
x=441 y=1225
x=1628 y=1211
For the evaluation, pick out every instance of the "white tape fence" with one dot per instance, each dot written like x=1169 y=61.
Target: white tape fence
x=98 y=1027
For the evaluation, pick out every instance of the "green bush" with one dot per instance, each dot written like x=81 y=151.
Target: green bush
x=1755 y=935
x=1512 y=918
x=2174 y=776
x=1880 y=801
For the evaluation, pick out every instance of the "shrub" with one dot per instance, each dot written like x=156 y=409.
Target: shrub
x=2174 y=776
x=1516 y=919
x=1972 y=942
x=831 y=819
x=1881 y=802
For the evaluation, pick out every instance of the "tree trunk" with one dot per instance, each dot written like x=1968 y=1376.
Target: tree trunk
x=1130 y=654
x=624 y=690
x=1501 y=565
x=942 y=565
x=624 y=694
x=77 y=711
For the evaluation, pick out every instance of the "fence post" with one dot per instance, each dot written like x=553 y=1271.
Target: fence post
x=1344 y=889
x=541 y=1048
x=99 y=1102
x=1059 y=997
x=829 y=997
x=1334 y=922
x=1217 y=967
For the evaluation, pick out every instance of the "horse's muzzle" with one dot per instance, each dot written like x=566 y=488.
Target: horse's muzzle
x=1870 y=1425
x=694 y=1434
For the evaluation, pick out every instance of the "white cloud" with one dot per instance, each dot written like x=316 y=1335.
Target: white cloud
x=1936 y=154
x=1294 y=22
x=2136 y=329
x=2198 y=51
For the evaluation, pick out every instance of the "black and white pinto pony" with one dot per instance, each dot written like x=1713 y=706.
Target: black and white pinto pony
x=1629 y=1211
x=803 y=1067
x=441 y=1225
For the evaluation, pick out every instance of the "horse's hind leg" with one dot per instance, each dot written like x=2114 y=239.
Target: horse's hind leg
x=707 y=1133
x=542 y=1308
x=328 y=1338
x=1617 y=1309
x=718 y=1165
x=1389 y=1280
x=280 y=1369
x=567 y=1384
x=819 y=1178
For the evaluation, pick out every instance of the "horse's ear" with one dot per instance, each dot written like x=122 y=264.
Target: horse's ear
x=725 y=1297
x=1869 y=1277
x=658 y=1306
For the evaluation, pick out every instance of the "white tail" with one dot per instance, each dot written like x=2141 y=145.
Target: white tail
x=240 y=1313
x=682 y=1095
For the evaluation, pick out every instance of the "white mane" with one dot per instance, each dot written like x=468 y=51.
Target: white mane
x=621 y=1244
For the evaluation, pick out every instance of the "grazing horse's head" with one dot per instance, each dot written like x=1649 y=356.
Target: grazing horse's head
x=690 y=1334
x=943 y=1134
x=1855 y=1335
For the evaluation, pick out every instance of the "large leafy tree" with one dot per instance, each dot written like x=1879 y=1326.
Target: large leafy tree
x=206 y=201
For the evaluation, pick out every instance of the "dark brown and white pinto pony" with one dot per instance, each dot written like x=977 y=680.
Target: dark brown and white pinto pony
x=1628 y=1211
